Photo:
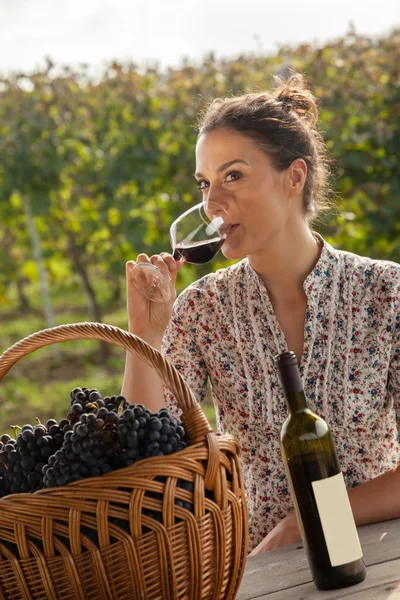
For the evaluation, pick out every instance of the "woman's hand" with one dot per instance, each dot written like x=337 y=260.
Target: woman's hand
x=146 y=318
x=286 y=532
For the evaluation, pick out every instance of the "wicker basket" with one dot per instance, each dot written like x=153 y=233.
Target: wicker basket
x=48 y=546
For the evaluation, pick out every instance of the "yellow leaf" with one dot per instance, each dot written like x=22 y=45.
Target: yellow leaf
x=30 y=270
x=15 y=200
x=59 y=269
x=114 y=216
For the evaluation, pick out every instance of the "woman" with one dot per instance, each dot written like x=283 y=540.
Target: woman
x=261 y=157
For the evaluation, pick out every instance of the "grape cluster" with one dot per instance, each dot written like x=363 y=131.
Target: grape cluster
x=84 y=401
x=105 y=440
x=87 y=450
x=143 y=434
x=98 y=435
x=7 y=445
x=23 y=459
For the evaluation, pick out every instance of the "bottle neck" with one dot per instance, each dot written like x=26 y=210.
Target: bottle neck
x=296 y=401
x=290 y=377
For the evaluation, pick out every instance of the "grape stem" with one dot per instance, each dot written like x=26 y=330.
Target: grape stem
x=14 y=430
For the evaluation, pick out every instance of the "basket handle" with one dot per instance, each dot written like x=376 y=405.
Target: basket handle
x=193 y=417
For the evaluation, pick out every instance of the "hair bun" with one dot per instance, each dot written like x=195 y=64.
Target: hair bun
x=294 y=95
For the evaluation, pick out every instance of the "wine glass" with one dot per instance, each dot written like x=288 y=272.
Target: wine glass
x=196 y=236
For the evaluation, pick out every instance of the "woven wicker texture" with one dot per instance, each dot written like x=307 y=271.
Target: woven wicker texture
x=94 y=538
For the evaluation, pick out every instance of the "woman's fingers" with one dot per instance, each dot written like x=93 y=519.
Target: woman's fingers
x=174 y=265
x=129 y=267
x=167 y=264
x=160 y=263
x=142 y=258
x=169 y=260
x=164 y=261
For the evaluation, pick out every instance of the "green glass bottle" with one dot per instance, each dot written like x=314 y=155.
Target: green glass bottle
x=317 y=487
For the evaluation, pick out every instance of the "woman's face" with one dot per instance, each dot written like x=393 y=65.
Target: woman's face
x=235 y=173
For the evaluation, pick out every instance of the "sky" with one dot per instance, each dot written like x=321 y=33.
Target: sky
x=99 y=31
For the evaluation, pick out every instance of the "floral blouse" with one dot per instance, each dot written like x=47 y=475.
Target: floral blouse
x=224 y=329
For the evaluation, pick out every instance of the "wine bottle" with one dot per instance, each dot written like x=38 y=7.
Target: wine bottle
x=317 y=487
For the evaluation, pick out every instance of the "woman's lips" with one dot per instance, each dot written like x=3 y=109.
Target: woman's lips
x=231 y=229
x=226 y=231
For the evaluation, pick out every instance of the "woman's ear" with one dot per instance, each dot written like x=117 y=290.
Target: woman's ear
x=297 y=175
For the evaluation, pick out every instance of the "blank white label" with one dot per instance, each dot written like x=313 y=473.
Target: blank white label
x=337 y=520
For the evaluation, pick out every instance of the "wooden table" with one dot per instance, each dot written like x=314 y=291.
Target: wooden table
x=283 y=574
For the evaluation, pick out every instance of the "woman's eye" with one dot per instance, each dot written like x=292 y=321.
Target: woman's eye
x=232 y=176
x=202 y=185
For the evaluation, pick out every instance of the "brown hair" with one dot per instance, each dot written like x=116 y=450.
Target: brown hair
x=284 y=124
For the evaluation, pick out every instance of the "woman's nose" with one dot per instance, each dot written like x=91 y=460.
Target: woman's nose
x=216 y=210
x=215 y=201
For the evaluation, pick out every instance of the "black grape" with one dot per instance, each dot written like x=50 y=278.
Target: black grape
x=23 y=459
x=84 y=400
x=87 y=450
x=143 y=434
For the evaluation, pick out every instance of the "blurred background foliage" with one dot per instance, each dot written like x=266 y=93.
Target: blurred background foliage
x=95 y=170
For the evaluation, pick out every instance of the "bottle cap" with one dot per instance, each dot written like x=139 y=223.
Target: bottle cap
x=289 y=372
x=287 y=359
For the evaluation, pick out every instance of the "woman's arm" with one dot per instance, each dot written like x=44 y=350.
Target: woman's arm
x=148 y=320
x=377 y=499
x=170 y=330
x=141 y=383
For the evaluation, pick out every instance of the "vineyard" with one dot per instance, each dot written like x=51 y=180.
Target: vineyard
x=93 y=171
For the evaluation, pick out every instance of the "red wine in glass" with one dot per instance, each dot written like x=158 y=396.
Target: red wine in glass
x=198 y=253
